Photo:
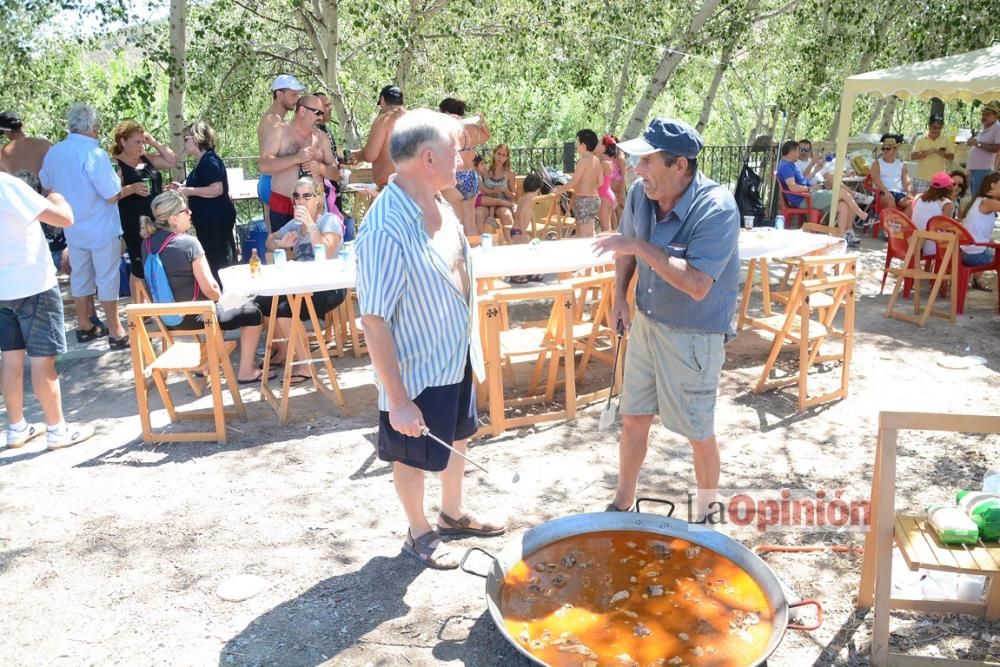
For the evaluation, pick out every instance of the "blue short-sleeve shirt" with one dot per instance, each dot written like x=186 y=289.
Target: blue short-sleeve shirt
x=788 y=169
x=703 y=228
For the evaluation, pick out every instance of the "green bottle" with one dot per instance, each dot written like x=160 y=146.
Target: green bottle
x=984 y=510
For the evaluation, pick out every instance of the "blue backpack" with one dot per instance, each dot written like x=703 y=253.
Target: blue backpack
x=156 y=280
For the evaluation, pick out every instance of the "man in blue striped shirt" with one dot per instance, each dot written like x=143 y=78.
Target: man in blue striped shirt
x=417 y=296
x=680 y=230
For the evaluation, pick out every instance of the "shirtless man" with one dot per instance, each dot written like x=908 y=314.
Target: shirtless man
x=376 y=150
x=21 y=152
x=474 y=133
x=587 y=178
x=296 y=148
x=285 y=91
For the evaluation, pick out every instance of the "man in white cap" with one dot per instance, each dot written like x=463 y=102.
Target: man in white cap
x=680 y=229
x=285 y=91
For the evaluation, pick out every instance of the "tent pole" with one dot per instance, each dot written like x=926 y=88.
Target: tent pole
x=843 y=132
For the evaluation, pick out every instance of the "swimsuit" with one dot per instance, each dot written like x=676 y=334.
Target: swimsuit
x=604 y=192
x=467 y=183
x=497 y=183
x=616 y=172
x=585 y=208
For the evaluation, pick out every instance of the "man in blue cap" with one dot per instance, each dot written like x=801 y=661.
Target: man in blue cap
x=680 y=229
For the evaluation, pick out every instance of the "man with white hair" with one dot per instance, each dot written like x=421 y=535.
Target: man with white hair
x=79 y=169
x=417 y=296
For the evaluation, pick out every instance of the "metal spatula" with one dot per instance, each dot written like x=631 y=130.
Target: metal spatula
x=503 y=477
x=610 y=411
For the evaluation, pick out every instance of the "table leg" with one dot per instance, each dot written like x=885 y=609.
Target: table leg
x=333 y=391
x=765 y=286
x=747 y=288
x=265 y=387
x=494 y=369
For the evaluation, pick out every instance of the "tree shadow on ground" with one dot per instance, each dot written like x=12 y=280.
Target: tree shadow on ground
x=842 y=640
x=327 y=619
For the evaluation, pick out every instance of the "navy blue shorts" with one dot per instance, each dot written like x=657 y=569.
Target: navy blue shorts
x=450 y=414
x=898 y=196
x=34 y=323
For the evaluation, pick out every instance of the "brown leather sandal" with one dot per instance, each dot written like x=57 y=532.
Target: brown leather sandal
x=463 y=526
x=430 y=550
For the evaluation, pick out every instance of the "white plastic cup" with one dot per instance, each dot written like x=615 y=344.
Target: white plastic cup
x=280 y=257
x=319 y=252
x=486 y=241
x=748 y=221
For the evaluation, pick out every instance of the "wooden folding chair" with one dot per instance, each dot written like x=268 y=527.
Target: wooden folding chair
x=918 y=543
x=911 y=274
x=548 y=344
x=548 y=220
x=593 y=331
x=342 y=325
x=205 y=351
x=162 y=334
x=834 y=276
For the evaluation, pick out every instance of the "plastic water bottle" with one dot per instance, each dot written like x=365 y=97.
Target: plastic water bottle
x=991 y=481
x=254 y=264
x=779 y=222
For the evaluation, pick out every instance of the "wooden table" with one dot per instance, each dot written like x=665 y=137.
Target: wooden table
x=763 y=243
x=298 y=281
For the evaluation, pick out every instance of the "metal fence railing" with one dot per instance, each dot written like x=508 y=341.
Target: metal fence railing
x=720 y=163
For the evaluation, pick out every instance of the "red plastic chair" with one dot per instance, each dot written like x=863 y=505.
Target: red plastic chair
x=877 y=203
x=942 y=223
x=806 y=214
x=899 y=229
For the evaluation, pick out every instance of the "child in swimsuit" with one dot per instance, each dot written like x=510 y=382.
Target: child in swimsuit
x=522 y=219
x=587 y=178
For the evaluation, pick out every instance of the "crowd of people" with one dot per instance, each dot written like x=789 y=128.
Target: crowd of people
x=937 y=187
x=678 y=238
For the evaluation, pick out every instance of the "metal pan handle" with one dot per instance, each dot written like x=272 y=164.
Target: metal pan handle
x=468 y=552
x=655 y=500
x=807 y=603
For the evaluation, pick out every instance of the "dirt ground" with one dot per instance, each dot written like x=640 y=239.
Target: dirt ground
x=111 y=553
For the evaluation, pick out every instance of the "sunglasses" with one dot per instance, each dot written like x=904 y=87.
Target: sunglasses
x=303 y=195
x=318 y=112
x=804 y=150
x=888 y=148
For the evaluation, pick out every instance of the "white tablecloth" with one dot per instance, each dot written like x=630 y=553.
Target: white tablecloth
x=545 y=257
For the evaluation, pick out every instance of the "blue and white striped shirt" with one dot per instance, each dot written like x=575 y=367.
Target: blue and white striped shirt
x=404 y=280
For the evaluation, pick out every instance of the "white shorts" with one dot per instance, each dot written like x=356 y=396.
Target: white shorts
x=95 y=271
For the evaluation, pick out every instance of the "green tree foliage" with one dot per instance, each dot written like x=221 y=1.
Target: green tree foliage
x=538 y=69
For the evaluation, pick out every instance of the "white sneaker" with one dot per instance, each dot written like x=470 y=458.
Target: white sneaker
x=852 y=239
x=20 y=438
x=73 y=435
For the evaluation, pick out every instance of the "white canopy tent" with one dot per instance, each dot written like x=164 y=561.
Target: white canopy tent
x=965 y=76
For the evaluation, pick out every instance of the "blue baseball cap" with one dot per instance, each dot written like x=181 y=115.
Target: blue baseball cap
x=664 y=134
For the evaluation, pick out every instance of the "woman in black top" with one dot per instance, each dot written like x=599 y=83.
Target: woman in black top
x=135 y=166
x=207 y=191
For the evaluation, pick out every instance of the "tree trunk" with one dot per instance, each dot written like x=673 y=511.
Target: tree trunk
x=713 y=89
x=734 y=118
x=887 y=113
x=875 y=114
x=176 y=70
x=416 y=19
x=668 y=63
x=616 y=109
x=320 y=22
